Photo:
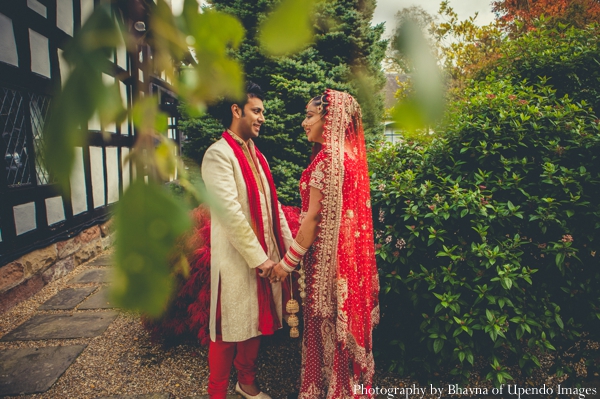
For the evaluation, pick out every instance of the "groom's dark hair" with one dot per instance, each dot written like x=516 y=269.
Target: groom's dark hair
x=222 y=110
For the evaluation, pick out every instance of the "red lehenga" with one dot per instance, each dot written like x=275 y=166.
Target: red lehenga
x=341 y=305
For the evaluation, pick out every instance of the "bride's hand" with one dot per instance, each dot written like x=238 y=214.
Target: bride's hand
x=277 y=273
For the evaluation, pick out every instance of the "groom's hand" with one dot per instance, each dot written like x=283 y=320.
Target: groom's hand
x=265 y=268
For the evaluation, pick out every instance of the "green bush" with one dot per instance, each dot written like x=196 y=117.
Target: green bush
x=487 y=238
x=568 y=57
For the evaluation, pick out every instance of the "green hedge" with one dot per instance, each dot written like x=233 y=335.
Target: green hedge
x=567 y=57
x=487 y=238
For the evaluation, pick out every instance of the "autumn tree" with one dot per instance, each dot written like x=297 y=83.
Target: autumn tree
x=464 y=46
x=519 y=14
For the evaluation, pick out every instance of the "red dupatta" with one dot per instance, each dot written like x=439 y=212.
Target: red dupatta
x=268 y=322
x=345 y=242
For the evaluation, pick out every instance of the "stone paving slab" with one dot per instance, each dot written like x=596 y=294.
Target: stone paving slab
x=92 y=276
x=97 y=301
x=143 y=396
x=34 y=370
x=60 y=326
x=102 y=260
x=67 y=298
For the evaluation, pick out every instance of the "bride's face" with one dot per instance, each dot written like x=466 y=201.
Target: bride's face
x=313 y=124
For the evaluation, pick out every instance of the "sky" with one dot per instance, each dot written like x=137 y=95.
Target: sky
x=177 y=5
x=386 y=9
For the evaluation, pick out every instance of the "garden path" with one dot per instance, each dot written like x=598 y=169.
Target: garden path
x=79 y=311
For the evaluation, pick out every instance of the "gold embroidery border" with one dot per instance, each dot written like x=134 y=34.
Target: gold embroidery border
x=337 y=120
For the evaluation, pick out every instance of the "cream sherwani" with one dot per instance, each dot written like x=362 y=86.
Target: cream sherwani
x=235 y=249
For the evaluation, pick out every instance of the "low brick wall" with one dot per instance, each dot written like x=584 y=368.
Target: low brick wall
x=25 y=276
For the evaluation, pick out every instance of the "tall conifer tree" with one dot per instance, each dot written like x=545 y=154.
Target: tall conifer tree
x=346 y=55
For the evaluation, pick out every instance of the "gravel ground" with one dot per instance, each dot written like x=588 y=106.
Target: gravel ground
x=123 y=361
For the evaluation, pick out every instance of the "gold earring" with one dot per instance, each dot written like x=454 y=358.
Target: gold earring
x=320 y=107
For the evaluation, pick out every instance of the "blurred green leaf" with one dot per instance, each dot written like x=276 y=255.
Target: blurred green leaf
x=94 y=44
x=63 y=131
x=82 y=94
x=110 y=105
x=166 y=158
x=425 y=104
x=288 y=28
x=215 y=74
x=409 y=114
x=168 y=42
x=148 y=221
x=147 y=117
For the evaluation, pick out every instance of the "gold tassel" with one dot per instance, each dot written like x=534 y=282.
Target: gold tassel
x=292 y=307
x=293 y=320
x=294 y=333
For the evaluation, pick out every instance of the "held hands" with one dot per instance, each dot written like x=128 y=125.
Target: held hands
x=277 y=273
x=274 y=272
x=265 y=268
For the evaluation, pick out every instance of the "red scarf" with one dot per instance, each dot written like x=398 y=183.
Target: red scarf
x=268 y=322
x=345 y=211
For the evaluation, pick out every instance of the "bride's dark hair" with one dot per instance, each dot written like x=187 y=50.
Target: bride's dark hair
x=321 y=103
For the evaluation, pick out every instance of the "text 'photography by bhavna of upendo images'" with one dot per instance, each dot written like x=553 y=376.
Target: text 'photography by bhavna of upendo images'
x=455 y=390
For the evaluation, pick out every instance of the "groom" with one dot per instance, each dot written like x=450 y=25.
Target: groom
x=249 y=235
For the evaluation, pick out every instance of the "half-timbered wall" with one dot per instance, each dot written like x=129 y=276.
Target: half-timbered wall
x=33 y=214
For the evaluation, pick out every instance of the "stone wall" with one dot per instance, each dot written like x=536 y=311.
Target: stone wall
x=25 y=276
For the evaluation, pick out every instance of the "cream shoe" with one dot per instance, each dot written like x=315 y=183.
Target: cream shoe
x=260 y=395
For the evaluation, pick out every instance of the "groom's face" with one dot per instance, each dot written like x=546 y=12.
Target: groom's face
x=250 y=118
